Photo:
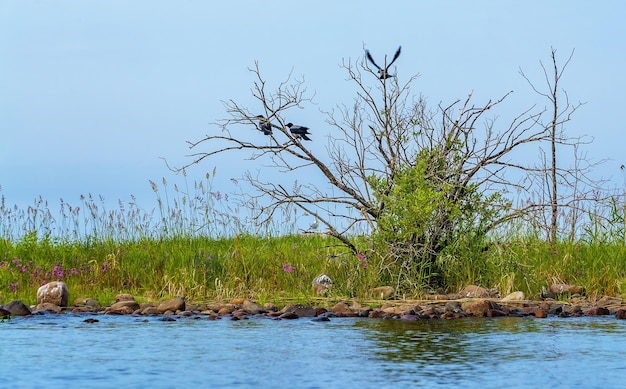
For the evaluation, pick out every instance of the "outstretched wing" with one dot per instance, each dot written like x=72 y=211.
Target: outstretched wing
x=395 y=56
x=369 y=57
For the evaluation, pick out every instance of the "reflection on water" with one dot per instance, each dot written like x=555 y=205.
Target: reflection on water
x=64 y=351
x=511 y=352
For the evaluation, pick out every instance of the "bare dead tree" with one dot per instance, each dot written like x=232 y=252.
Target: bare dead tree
x=566 y=189
x=463 y=155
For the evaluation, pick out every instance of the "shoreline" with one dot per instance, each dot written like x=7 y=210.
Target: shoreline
x=407 y=310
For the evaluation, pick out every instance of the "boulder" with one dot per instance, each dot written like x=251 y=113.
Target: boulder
x=479 y=307
x=475 y=291
x=252 y=308
x=301 y=310
x=54 y=292
x=322 y=283
x=86 y=302
x=515 y=296
x=124 y=297
x=149 y=310
x=409 y=317
x=288 y=316
x=596 y=311
x=49 y=307
x=620 y=314
x=125 y=307
x=342 y=309
x=559 y=289
x=226 y=310
x=17 y=308
x=173 y=305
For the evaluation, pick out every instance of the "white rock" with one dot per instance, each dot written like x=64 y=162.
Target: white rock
x=54 y=292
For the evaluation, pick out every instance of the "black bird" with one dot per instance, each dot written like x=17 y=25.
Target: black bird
x=299 y=131
x=264 y=125
x=384 y=73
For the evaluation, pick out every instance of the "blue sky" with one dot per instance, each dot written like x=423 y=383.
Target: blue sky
x=94 y=94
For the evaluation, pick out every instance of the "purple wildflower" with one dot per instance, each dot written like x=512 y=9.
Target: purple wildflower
x=58 y=272
x=287 y=268
x=362 y=259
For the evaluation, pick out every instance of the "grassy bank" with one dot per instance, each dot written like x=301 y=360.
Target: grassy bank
x=193 y=246
x=282 y=268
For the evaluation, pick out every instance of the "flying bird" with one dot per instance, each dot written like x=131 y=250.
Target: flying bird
x=264 y=125
x=384 y=73
x=299 y=131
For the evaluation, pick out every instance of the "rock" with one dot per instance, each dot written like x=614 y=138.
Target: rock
x=343 y=310
x=321 y=318
x=515 y=296
x=4 y=313
x=123 y=307
x=478 y=307
x=474 y=291
x=302 y=310
x=453 y=306
x=376 y=314
x=383 y=292
x=237 y=301
x=596 y=311
x=173 y=305
x=17 y=308
x=252 y=308
x=124 y=297
x=559 y=289
x=495 y=313
x=240 y=313
x=86 y=302
x=409 y=318
x=517 y=312
x=91 y=320
x=322 y=283
x=573 y=309
x=620 y=314
x=540 y=313
x=149 y=310
x=392 y=310
x=432 y=312
x=288 y=315
x=49 y=307
x=226 y=310
x=54 y=292
x=608 y=300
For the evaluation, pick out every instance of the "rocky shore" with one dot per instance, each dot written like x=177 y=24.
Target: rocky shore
x=472 y=301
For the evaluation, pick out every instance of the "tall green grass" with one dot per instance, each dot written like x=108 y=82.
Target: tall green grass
x=195 y=243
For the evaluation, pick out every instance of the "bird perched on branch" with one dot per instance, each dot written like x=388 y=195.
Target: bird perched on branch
x=384 y=73
x=264 y=125
x=299 y=131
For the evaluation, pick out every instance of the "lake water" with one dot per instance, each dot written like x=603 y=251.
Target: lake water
x=144 y=352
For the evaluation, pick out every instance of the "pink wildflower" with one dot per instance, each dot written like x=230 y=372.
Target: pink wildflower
x=287 y=268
